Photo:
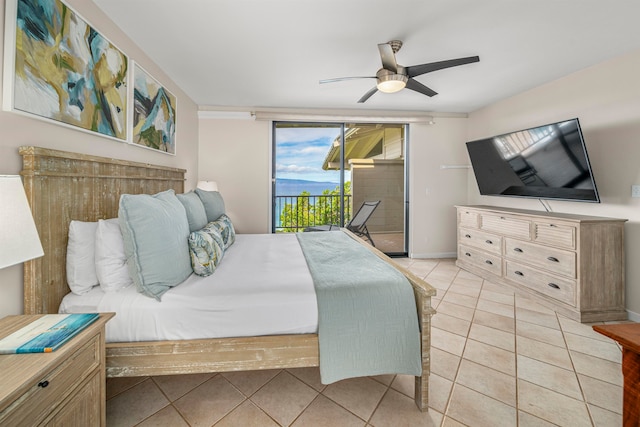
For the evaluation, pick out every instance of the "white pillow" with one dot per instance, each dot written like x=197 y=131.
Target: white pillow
x=111 y=262
x=81 y=264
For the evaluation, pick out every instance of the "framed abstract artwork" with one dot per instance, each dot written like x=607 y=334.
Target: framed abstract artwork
x=58 y=67
x=154 y=113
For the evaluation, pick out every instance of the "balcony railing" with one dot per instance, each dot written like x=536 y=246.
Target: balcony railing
x=295 y=213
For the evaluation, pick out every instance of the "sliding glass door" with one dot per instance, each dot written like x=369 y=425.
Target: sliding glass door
x=323 y=173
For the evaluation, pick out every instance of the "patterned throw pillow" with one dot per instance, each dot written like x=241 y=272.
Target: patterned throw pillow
x=206 y=248
x=225 y=228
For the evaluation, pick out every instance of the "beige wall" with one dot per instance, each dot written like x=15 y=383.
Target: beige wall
x=237 y=154
x=433 y=190
x=17 y=130
x=606 y=99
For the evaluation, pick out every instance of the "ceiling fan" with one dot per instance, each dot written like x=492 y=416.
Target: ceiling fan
x=393 y=77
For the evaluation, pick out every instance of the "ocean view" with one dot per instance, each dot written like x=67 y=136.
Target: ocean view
x=293 y=187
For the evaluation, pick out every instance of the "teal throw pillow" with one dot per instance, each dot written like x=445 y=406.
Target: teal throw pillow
x=155 y=232
x=213 y=203
x=196 y=215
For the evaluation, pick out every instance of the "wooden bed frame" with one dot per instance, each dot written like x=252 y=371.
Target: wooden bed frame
x=63 y=186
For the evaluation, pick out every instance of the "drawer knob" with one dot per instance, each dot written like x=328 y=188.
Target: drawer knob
x=489 y=242
x=518 y=250
x=519 y=273
x=468 y=236
x=467 y=254
x=553 y=285
x=553 y=259
x=488 y=262
x=43 y=384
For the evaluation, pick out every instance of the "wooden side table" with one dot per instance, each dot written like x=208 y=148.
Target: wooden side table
x=64 y=387
x=628 y=335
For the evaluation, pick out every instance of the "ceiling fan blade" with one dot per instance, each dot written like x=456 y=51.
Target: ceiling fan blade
x=367 y=95
x=419 y=87
x=339 y=79
x=388 y=57
x=417 y=70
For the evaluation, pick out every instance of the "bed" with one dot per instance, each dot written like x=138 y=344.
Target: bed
x=63 y=186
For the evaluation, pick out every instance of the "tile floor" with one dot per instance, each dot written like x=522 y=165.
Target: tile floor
x=498 y=359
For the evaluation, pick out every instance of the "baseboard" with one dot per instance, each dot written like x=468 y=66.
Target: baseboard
x=433 y=255
x=634 y=317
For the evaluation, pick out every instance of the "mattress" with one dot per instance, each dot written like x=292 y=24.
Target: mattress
x=262 y=287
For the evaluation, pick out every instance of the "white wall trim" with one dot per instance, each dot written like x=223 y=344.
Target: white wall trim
x=237 y=115
x=634 y=317
x=434 y=255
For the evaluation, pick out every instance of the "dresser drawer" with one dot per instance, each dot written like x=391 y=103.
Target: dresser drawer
x=486 y=261
x=479 y=239
x=53 y=388
x=506 y=226
x=557 y=261
x=560 y=289
x=560 y=235
x=468 y=218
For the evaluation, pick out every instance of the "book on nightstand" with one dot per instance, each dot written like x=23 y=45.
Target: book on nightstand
x=47 y=333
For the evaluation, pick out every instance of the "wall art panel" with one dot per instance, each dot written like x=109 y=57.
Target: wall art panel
x=60 y=68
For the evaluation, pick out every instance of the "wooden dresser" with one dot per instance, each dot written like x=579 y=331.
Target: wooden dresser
x=63 y=388
x=571 y=263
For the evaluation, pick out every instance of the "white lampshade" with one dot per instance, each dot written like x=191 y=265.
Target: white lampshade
x=389 y=82
x=19 y=241
x=208 y=185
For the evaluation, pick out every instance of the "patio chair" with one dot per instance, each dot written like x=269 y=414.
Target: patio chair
x=357 y=225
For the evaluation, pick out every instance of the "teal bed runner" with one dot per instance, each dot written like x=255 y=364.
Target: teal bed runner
x=367 y=319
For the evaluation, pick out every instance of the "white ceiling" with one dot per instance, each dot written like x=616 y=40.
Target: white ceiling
x=240 y=54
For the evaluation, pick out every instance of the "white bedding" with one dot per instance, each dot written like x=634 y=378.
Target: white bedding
x=261 y=287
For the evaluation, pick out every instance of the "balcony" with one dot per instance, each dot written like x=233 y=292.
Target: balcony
x=300 y=212
x=295 y=213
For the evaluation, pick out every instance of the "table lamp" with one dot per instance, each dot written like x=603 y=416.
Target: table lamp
x=19 y=241
x=208 y=185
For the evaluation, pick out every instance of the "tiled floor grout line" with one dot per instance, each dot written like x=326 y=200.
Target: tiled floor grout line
x=575 y=371
x=455 y=378
x=453 y=382
x=515 y=355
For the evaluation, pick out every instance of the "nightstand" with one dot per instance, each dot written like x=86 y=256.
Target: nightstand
x=66 y=387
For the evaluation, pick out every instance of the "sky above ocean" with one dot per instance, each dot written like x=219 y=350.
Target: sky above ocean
x=300 y=153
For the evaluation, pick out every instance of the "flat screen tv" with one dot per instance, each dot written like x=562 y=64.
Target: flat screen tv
x=545 y=162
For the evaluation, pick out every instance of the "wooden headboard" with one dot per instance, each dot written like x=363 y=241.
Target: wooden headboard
x=63 y=186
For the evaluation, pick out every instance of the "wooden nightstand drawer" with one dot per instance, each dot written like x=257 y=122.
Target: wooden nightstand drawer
x=52 y=389
x=554 y=260
x=81 y=406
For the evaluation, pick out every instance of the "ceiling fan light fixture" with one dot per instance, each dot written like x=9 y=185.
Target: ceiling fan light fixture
x=390 y=83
